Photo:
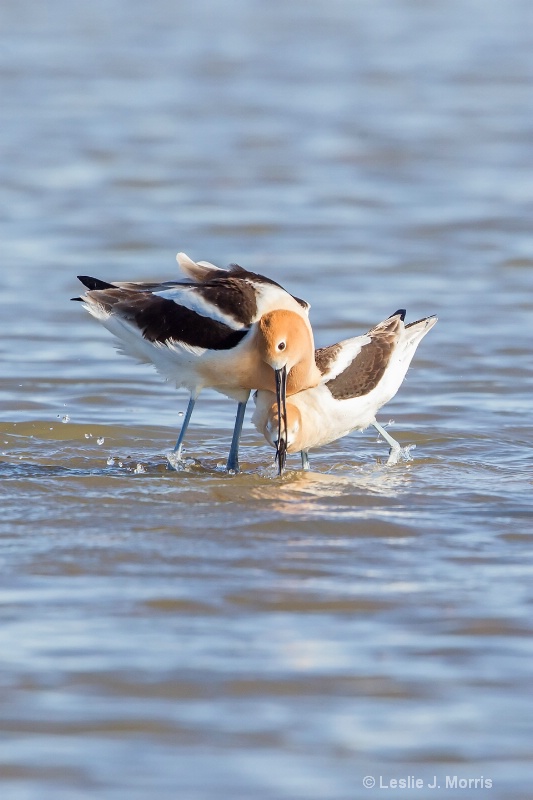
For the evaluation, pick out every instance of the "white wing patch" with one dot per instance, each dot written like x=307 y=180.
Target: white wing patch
x=191 y=298
x=270 y=298
x=350 y=348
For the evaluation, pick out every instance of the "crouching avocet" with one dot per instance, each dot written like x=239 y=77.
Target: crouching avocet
x=359 y=376
x=231 y=330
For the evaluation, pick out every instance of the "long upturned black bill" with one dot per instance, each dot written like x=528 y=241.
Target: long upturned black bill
x=281 y=399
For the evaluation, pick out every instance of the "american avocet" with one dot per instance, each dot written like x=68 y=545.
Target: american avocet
x=230 y=330
x=359 y=376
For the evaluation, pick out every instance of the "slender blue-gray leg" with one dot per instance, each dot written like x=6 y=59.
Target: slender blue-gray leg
x=233 y=458
x=185 y=425
x=395 y=448
x=305 y=459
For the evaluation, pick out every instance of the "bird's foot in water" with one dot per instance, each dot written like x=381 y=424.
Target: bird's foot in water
x=397 y=453
x=177 y=462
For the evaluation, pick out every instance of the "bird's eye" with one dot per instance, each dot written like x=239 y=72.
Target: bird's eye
x=281 y=346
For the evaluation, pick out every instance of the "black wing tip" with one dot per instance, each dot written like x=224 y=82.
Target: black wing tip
x=400 y=313
x=424 y=319
x=303 y=303
x=77 y=298
x=94 y=283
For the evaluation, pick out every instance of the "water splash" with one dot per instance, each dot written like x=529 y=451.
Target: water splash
x=400 y=454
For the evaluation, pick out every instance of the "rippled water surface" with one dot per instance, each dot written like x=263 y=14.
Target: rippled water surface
x=196 y=635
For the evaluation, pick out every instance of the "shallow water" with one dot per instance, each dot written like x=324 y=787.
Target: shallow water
x=196 y=635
